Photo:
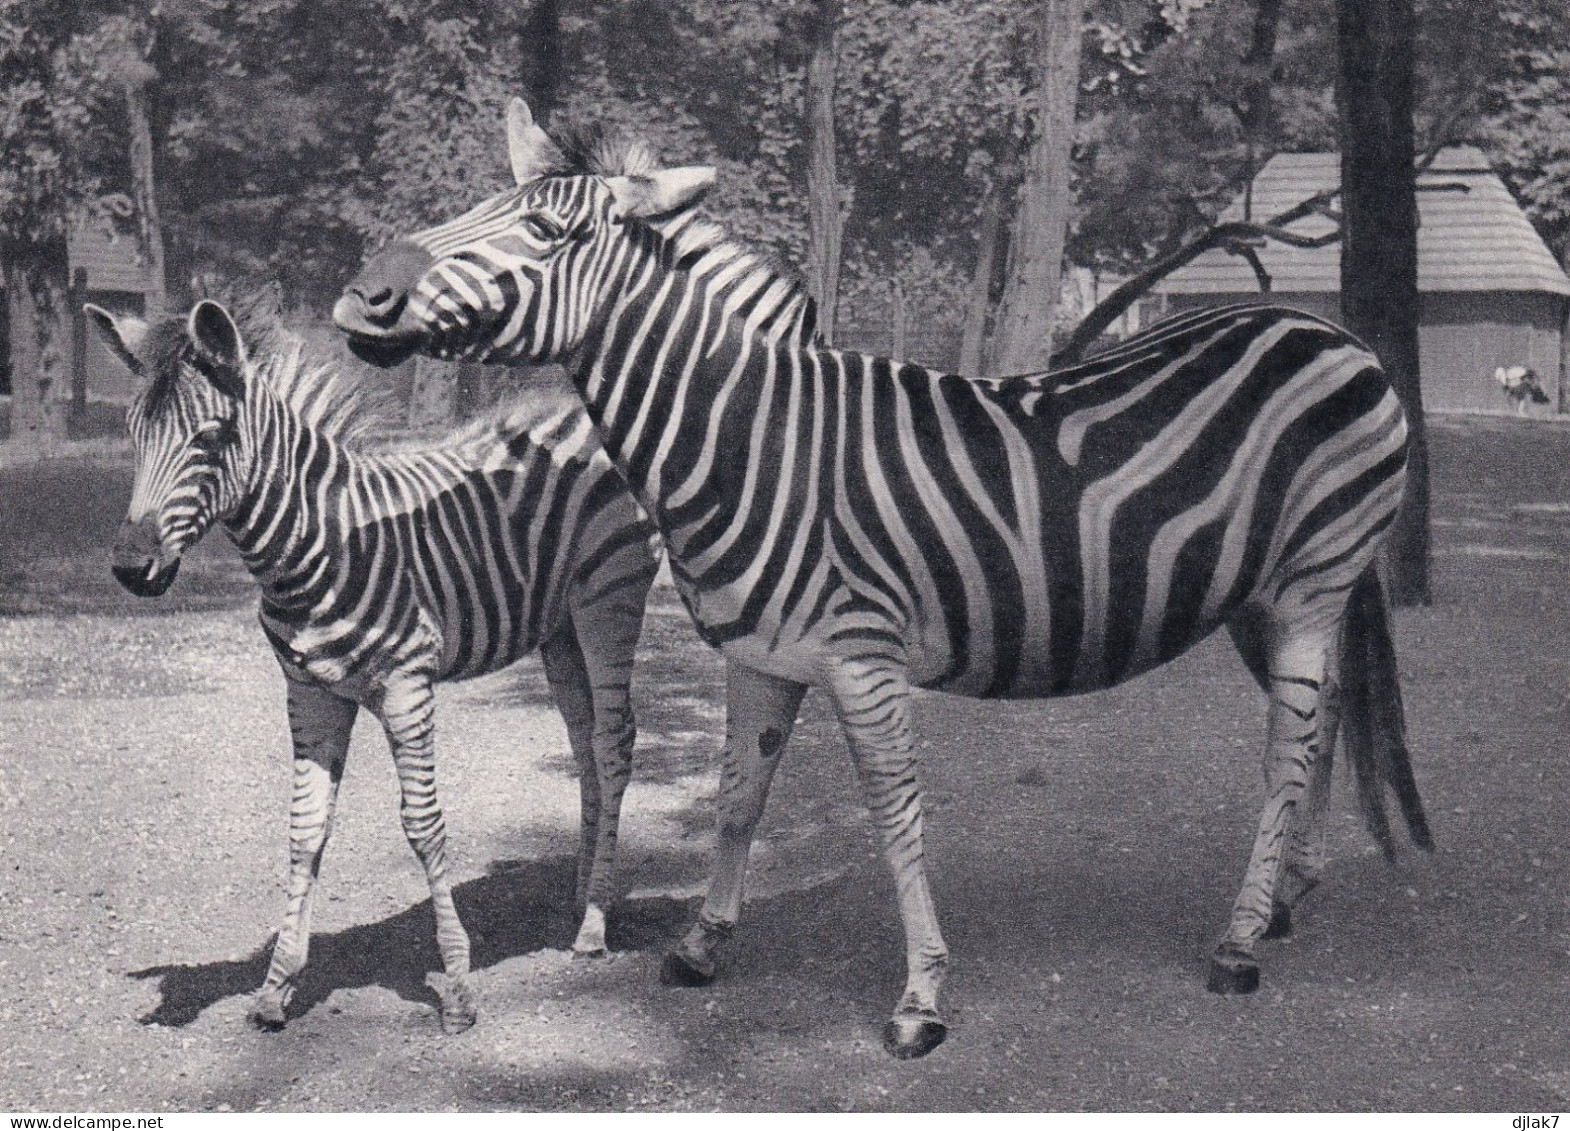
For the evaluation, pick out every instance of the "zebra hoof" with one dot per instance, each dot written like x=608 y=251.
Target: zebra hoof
x=1280 y=925
x=679 y=969
x=267 y=1013
x=906 y=1038
x=456 y=1002
x=580 y=953
x=1232 y=972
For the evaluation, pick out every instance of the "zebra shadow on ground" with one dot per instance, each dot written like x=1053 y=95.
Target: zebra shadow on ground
x=517 y=908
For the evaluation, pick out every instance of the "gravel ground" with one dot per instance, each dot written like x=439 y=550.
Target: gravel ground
x=1084 y=853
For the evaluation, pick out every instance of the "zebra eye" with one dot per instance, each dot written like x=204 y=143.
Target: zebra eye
x=213 y=434
x=542 y=228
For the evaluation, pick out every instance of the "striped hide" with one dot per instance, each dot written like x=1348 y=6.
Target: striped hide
x=867 y=526
x=384 y=572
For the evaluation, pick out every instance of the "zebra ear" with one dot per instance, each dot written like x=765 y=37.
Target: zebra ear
x=665 y=190
x=125 y=336
x=219 y=354
x=530 y=149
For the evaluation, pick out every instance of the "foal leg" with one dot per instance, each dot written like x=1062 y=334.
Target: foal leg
x=1298 y=664
x=760 y=712
x=407 y=712
x=872 y=699
x=588 y=662
x=320 y=724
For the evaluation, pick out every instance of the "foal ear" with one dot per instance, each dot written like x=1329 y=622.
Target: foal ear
x=665 y=190
x=220 y=354
x=124 y=335
x=529 y=148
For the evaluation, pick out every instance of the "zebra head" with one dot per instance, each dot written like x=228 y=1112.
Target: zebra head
x=184 y=430
x=521 y=276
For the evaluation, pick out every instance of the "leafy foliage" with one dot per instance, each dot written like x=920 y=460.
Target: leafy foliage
x=292 y=134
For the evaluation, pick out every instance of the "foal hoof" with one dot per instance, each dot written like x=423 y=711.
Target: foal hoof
x=906 y=1038
x=1280 y=925
x=456 y=1002
x=267 y=1013
x=1232 y=973
x=679 y=970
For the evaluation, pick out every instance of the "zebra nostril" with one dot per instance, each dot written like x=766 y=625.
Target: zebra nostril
x=380 y=298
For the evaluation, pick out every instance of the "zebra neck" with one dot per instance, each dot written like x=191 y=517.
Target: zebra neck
x=676 y=362
x=281 y=527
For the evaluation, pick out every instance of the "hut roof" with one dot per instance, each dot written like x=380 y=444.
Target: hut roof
x=1472 y=235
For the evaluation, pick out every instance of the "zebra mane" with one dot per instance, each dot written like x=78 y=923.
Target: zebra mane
x=318 y=393
x=690 y=236
x=524 y=411
x=591 y=149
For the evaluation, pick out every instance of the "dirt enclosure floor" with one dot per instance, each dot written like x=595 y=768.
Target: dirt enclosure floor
x=1083 y=853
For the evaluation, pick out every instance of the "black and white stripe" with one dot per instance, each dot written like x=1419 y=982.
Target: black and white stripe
x=385 y=572
x=867 y=526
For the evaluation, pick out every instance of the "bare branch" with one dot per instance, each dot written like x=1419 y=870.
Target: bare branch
x=1246 y=252
x=1235 y=232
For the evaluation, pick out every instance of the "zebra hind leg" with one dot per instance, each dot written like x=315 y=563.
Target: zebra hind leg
x=407 y=710
x=1305 y=854
x=1296 y=735
x=320 y=724
x=872 y=699
x=760 y=714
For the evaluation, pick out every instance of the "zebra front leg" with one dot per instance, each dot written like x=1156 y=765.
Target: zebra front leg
x=320 y=724
x=760 y=712
x=588 y=663
x=873 y=703
x=1295 y=733
x=407 y=711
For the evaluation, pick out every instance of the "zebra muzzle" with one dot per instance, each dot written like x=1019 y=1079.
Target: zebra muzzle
x=137 y=561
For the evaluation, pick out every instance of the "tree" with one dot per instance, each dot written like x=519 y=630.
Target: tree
x=823 y=191
x=1030 y=295
x=1379 y=297
x=43 y=120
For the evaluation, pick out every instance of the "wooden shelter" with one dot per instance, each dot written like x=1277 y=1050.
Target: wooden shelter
x=1492 y=293
x=107 y=269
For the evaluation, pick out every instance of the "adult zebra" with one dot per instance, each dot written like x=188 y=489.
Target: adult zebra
x=865 y=526
x=385 y=572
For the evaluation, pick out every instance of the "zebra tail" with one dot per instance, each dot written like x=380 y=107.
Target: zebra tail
x=1374 y=720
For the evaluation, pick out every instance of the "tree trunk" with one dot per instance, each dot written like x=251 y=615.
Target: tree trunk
x=823 y=193
x=1257 y=113
x=899 y=321
x=1030 y=292
x=542 y=49
x=143 y=186
x=1379 y=296
x=1562 y=399
x=433 y=396
x=75 y=297
x=35 y=288
x=473 y=394
x=975 y=332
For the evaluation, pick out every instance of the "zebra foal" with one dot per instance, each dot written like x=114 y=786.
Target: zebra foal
x=866 y=526
x=383 y=573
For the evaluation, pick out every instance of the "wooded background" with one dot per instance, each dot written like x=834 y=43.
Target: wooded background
x=930 y=164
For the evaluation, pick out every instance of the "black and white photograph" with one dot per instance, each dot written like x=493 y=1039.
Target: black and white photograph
x=861 y=556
